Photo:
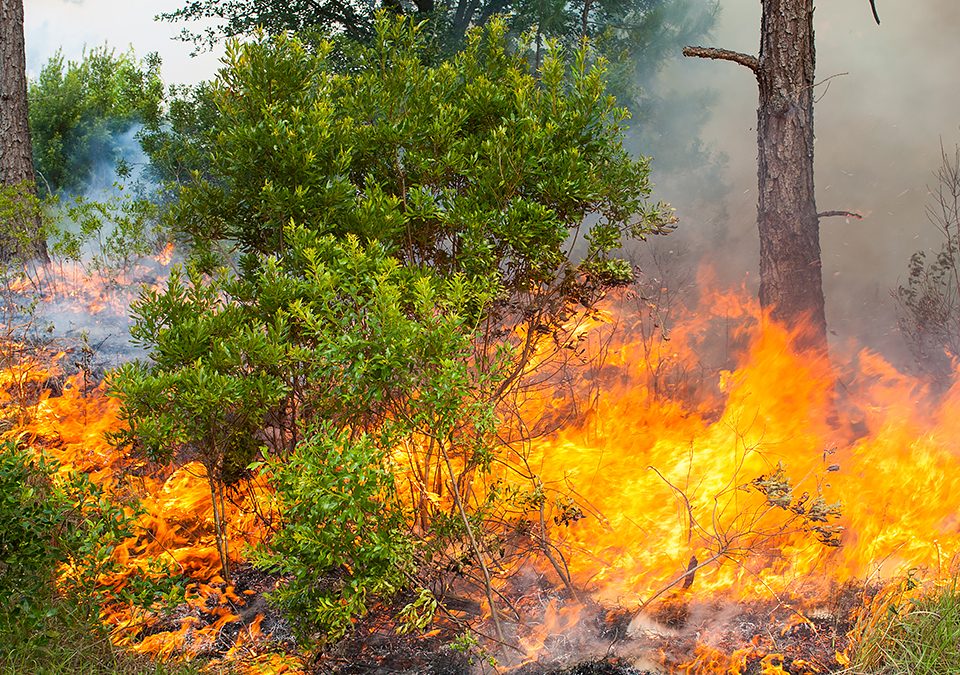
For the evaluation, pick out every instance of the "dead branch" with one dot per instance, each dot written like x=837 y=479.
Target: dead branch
x=562 y=570
x=686 y=501
x=488 y=583
x=745 y=60
x=845 y=214
x=691 y=572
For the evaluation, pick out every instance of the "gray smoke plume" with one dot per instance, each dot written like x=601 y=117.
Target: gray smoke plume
x=86 y=294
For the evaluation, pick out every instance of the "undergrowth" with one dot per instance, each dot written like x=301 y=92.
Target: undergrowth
x=917 y=635
x=71 y=639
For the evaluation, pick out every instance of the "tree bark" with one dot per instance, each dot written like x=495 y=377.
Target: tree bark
x=791 y=285
x=20 y=238
x=585 y=19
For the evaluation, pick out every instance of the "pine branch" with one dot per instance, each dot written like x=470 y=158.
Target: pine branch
x=845 y=214
x=745 y=60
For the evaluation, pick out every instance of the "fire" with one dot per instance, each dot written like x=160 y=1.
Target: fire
x=175 y=528
x=718 y=464
x=732 y=492
x=667 y=481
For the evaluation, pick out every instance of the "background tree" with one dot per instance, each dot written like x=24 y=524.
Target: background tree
x=929 y=302
x=791 y=284
x=20 y=236
x=450 y=20
x=637 y=36
x=84 y=116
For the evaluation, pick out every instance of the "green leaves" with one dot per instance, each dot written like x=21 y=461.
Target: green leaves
x=474 y=166
x=209 y=381
x=344 y=542
x=79 y=110
x=47 y=519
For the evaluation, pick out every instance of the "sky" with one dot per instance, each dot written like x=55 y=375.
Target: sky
x=889 y=96
x=72 y=25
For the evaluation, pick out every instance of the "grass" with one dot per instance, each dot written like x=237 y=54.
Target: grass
x=71 y=640
x=919 y=636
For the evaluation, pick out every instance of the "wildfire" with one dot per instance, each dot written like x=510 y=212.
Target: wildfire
x=780 y=476
x=718 y=464
x=175 y=526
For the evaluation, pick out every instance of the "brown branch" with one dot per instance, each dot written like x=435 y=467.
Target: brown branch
x=686 y=501
x=562 y=571
x=488 y=584
x=744 y=60
x=845 y=214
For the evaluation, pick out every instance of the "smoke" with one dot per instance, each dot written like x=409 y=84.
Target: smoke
x=122 y=162
x=87 y=290
x=887 y=95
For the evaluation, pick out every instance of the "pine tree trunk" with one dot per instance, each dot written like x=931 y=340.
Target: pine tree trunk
x=20 y=237
x=791 y=283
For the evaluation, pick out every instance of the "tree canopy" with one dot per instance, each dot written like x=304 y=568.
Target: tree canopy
x=472 y=166
x=450 y=19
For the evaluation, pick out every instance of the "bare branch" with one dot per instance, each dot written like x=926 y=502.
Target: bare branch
x=686 y=501
x=845 y=214
x=745 y=60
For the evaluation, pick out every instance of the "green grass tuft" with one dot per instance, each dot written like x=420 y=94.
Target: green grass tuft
x=920 y=636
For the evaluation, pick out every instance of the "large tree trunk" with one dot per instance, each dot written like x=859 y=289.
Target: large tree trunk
x=790 y=272
x=791 y=285
x=20 y=236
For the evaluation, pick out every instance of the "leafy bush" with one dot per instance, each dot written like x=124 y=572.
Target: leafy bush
x=390 y=226
x=48 y=520
x=370 y=356
x=475 y=166
x=21 y=226
x=106 y=236
x=344 y=542
x=178 y=142
x=34 y=519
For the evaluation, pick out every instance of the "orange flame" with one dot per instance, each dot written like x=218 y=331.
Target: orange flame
x=708 y=463
x=665 y=481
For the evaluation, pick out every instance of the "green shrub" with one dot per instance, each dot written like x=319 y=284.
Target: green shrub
x=390 y=225
x=476 y=166
x=35 y=534
x=58 y=534
x=105 y=237
x=208 y=386
x=344 y=543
